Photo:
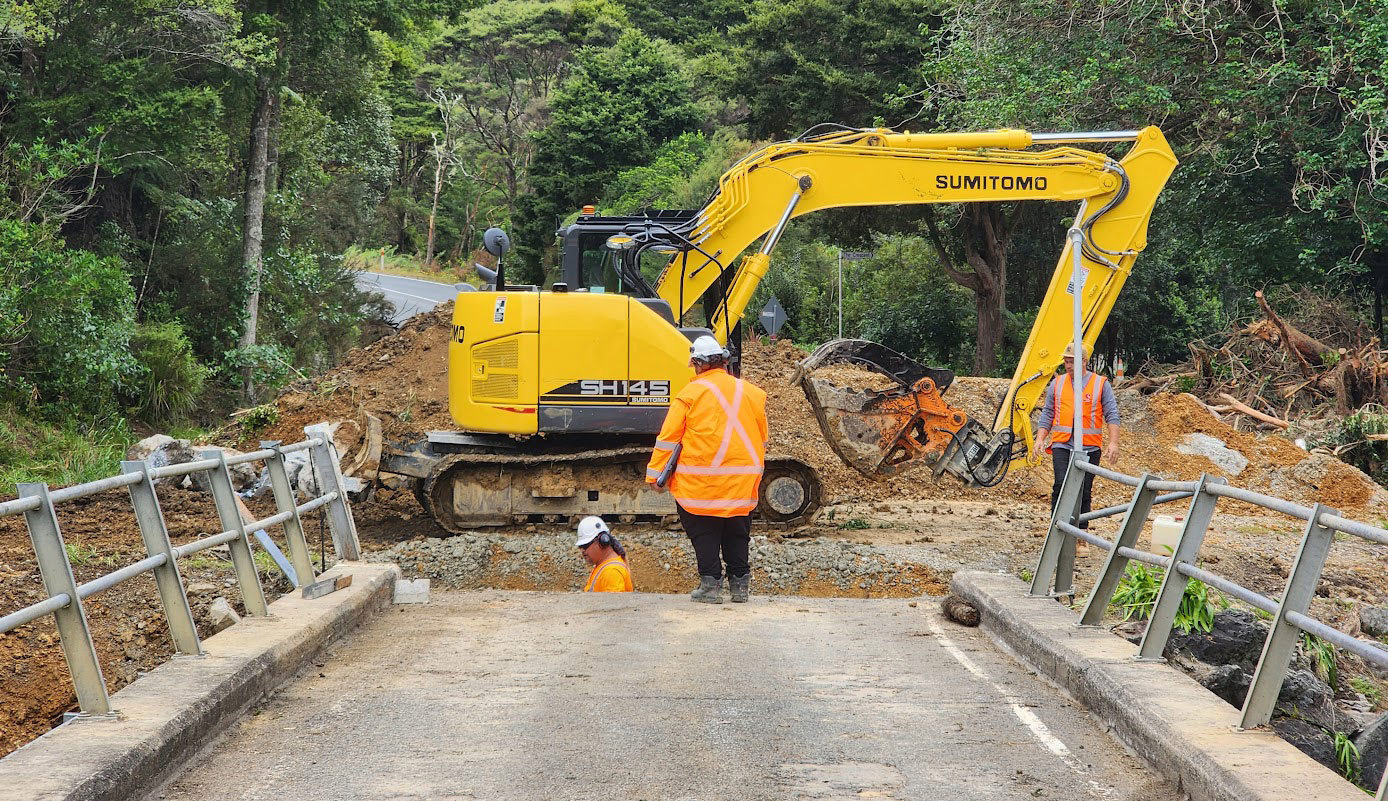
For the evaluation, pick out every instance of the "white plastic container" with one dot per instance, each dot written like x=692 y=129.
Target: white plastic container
x=1166 y=532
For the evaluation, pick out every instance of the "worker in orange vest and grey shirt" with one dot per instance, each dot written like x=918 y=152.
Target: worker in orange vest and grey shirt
x=607 y=556
x=715 y=435
x=1054 y=431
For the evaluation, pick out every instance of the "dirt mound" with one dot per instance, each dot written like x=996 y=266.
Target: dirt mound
x=1155 y=432
x=402 y=379
x=127 y=622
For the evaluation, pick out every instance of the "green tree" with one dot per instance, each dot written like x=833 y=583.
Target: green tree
x=619 y=105
x=805 y=62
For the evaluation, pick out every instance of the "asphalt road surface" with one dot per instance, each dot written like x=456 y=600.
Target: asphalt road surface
x=511 y=695
x=409 y=295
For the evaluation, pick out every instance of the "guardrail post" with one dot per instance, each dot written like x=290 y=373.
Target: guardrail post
x=329 y=474
x=1283 y=636
x=1173 y=586
x=1138 y=510
x=284 y=502
x=166 y=578
x=73 y=633
x=252 y=595
x=1057 y=560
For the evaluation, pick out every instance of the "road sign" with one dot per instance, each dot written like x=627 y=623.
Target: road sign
x=772 y=316
x=857 y=255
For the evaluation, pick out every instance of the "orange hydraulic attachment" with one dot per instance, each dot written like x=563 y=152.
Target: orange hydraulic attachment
x=880 y=431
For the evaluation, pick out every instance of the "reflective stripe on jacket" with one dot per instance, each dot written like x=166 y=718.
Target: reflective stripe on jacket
x=720 y=422
x=611 y=575
x=1064 y=423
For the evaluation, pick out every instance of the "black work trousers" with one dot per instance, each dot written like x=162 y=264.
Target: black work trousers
x=1060 y=461
x=710 y=535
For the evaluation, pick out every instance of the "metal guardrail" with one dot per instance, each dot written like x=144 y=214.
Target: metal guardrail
x=36 y=502
x=1056 y=568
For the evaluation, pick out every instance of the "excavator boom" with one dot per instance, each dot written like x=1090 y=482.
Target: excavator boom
x=559 y=393
x=759 y=195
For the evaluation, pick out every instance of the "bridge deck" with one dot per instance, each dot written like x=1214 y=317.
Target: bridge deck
x=506 y=695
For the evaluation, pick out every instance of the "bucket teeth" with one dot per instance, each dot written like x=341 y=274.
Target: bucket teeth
x=878 y=432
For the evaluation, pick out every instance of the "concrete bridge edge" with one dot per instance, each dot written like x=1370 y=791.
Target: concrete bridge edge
x=164 y=718
x=1187 y=733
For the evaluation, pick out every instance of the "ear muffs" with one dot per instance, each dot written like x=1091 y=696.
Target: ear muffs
x=604 y=538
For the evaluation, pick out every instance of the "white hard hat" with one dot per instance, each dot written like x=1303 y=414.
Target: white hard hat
x=589 y=528
x=706 y=347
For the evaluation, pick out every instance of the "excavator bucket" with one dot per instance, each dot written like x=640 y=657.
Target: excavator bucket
x=880 y=428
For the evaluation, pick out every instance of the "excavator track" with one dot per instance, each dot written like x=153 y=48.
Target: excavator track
x=480 y=489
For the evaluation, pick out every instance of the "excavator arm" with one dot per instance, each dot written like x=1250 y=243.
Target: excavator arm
x=879 y=431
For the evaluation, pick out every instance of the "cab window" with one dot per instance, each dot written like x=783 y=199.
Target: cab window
x=598 y=265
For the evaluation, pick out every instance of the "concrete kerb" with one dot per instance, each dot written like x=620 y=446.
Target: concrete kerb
x=165 y=717
x=1183 y=730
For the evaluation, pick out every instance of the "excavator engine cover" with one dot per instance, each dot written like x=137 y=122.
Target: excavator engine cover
x=881 y=431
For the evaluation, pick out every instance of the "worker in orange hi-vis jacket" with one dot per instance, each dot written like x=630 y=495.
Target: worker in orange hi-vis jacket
x=1055 y=430
x=711 y=450
x=607 y=556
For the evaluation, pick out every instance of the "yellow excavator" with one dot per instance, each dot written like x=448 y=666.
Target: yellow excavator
x=558 y=393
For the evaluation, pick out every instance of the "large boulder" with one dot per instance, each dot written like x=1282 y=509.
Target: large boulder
x=162 y=450
x=1372 y=742
x=1313 y=741
x=1303 y=694
x=1236 y=638
x=1229 y=682
x=1306 y=696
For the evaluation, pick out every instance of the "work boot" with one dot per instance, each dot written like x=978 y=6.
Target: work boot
x=710 y=591
x=741 y=587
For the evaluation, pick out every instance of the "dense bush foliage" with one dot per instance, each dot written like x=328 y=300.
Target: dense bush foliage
x=130 y=133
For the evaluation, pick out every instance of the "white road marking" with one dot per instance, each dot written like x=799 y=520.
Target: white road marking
x=407 y=278
x=1038 y=729
x=434 y=301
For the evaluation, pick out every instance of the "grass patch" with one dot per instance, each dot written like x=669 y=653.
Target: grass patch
x=59 y=455
x=1367 y=689
x=854 y=524
x=79 y=554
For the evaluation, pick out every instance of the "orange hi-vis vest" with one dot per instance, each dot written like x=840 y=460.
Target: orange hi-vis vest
x=720 y=424
x=610 y=575
x=1063 y=424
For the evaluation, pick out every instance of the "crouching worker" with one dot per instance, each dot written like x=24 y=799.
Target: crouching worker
x=709 y=454
x=606 y=555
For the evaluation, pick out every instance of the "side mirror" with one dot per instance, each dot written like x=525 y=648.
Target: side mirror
x=496 y=242
x=487 y=274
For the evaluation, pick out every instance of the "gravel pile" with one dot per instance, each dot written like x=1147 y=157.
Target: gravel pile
x=661 y=562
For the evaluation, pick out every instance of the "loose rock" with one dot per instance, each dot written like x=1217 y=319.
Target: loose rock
x=959 y=610
x=1373 y=620
x=220 y=615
